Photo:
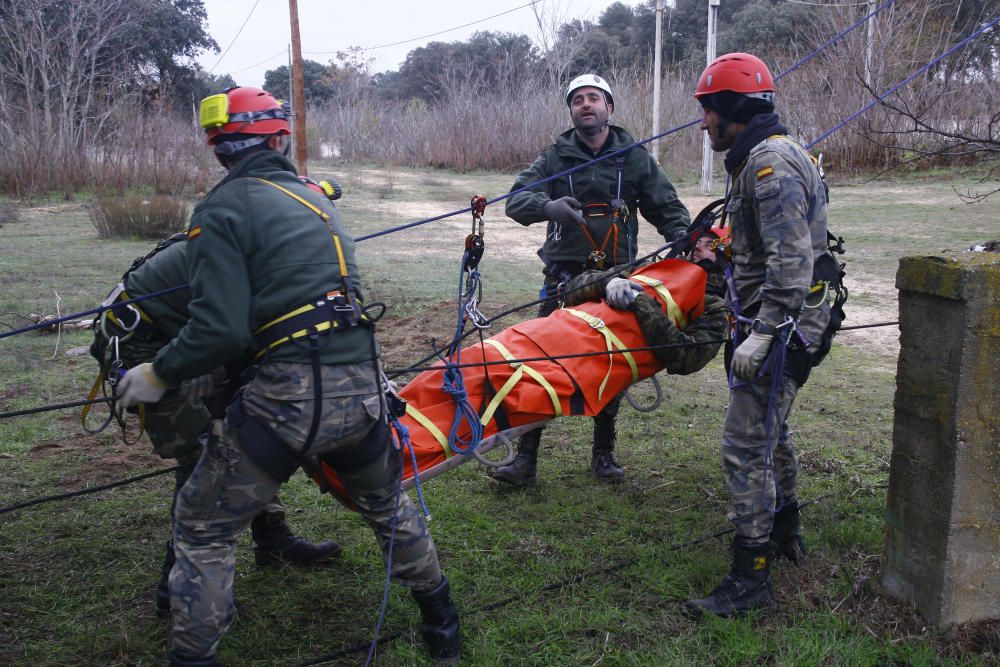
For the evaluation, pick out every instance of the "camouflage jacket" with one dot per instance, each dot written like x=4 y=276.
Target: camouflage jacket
x=777 y=208
x=695 y=346
x=645 y=189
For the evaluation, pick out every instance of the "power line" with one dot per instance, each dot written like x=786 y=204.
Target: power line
x=434 y=34
x=279 y=53
x=234 y=38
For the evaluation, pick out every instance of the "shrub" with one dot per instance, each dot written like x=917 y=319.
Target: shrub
x=8 y=213
x=132 y=216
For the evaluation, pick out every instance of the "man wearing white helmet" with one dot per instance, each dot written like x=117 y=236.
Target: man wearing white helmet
x=592 y=223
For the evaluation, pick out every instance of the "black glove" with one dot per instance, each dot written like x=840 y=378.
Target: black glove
x=565 y=211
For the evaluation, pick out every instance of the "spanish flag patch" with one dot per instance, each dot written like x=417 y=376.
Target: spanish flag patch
x=764 y=172
x=194 y=232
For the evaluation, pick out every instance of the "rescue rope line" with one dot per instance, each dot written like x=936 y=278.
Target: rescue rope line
x=556 y=585
x=93 y=311
x=878 y=98
x=621 y=151
x=392 y=373
x=91 y=489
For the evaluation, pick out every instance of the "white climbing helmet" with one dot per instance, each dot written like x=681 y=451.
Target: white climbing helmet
x=589 y=80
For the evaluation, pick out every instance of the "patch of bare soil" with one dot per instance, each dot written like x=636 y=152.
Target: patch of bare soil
x=405 y=340
x=97 y=460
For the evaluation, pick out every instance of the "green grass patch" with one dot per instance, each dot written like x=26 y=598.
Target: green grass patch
x=568 y=572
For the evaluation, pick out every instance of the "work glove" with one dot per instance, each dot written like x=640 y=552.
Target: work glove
x=750 y=355
x=620 y=293
x=140 y=385
x=565 y=211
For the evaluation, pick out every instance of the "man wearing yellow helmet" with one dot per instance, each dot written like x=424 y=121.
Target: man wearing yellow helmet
x=272 y=271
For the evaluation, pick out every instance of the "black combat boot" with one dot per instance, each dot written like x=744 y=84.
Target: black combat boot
x=440 y=627
x=178 y=660
x=274 y=543
x=746 y=587
x=521 y=470
x=786 y=540
x=602 y=458
x=161 y=603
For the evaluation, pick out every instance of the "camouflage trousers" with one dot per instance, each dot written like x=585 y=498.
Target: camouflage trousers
x=755 y=476
x=227 y=489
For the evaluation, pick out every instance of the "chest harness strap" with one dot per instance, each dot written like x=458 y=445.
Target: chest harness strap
x=615 y=210
x=334 y=311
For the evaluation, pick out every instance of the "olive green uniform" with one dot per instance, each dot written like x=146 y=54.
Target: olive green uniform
x=257 y=253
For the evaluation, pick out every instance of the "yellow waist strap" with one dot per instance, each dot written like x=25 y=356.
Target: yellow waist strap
x=522 y=369
x=613 y=342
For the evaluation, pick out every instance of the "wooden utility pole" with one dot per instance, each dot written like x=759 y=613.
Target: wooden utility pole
x=706 y=151
x=298 y=92
x=657 y=64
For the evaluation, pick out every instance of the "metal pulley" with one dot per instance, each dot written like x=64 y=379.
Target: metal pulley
x=474 y=243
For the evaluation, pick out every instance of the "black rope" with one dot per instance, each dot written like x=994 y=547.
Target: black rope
x=92 y=489
x=869 y=326
x=554 y=586
x=55 y=406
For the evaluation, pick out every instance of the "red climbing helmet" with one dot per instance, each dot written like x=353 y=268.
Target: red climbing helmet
x=737 y=72
x=244 y=111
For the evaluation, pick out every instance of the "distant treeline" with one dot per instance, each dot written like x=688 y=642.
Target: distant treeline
x=100 y=94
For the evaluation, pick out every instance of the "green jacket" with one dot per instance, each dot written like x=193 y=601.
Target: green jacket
x=165 y=269
x=255 y=254
x=644 y=188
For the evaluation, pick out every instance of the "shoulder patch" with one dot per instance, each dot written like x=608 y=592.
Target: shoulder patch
x=194 y=232
x=764 y=172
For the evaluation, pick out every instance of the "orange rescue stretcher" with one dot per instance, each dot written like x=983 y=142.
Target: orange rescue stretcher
x=515 y=397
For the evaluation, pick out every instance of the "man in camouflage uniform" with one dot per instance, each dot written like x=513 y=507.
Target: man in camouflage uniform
x=270 y=267
x=592 y=224
x=777 y=209
x=175 y=423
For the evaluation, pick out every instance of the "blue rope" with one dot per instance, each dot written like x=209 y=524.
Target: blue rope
x=573 y=170
x=829 y=43
x=453 y=382
x=879 y=98
x=388 y=561
x=403 y=435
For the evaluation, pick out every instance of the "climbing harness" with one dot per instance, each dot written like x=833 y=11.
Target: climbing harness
x=112 y=370
x=616 y=211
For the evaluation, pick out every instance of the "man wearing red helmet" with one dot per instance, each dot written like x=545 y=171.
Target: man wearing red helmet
x=777 y=210
x=271 y=271
x=592 y=218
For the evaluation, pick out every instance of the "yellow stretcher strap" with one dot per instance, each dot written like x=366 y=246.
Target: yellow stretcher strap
x=431 y=427
x=521 y=370
x=613 y=342
x=91 y=395
x=674 y=311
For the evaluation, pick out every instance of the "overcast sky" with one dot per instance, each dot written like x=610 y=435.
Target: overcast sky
x=327 y=26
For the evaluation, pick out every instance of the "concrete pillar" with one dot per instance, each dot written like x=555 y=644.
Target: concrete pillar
x=942 y=545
